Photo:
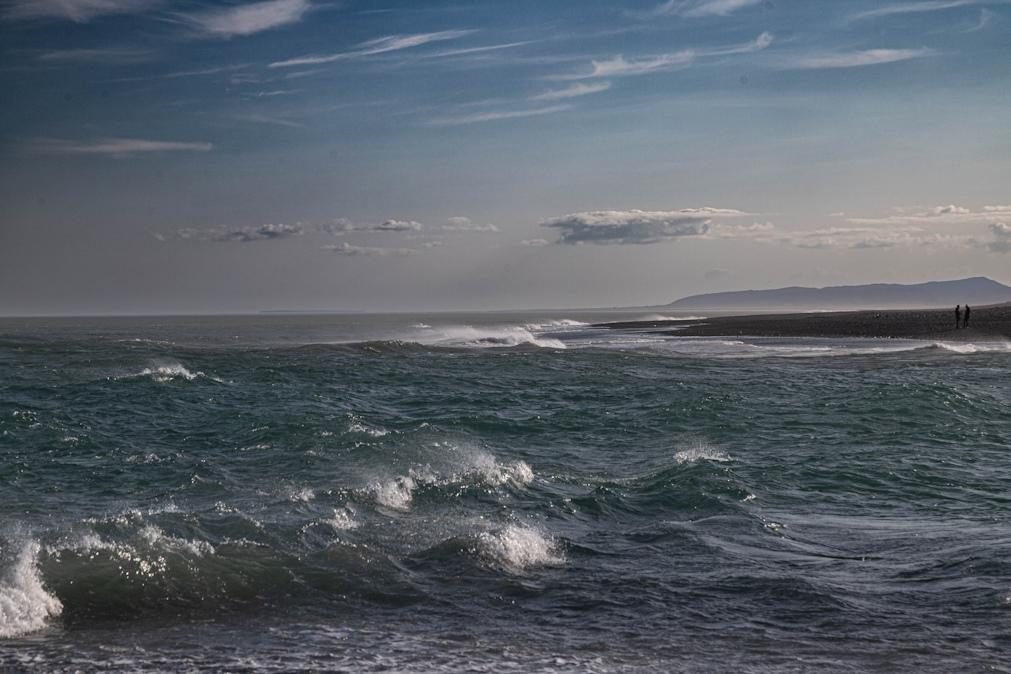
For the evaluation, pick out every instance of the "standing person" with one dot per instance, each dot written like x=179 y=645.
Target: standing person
x=958 y=316
x=965 y=323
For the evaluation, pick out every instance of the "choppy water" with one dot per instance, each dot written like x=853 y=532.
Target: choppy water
x=497 y=493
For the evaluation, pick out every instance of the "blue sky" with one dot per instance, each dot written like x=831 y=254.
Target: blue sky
x=165 y=156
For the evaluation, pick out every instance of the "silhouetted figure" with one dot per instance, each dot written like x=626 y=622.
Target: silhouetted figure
x=965 y=323
x=958 y=316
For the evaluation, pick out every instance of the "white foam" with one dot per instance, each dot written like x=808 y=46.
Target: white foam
x=25 y=606
x=974 y=347
x=358 y=427
x=661 y=317
x=517 y=548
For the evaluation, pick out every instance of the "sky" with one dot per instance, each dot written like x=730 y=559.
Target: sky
x=181 y=156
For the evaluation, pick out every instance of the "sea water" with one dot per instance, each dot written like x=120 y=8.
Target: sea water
x=497 y=492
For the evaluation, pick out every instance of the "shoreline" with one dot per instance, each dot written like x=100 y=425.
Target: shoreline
x=987 y=323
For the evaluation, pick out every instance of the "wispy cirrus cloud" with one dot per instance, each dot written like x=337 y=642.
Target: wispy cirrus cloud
x=619 y=66
x=636 y=226
x=476 y=118
x=110 y=56
x=382 y=45
x=116 y=147
x=78 y=11
x=700 y=8
x=247 y=19
x=853 y=59
x=572 y=91
x=902 y=8
x=243 y=234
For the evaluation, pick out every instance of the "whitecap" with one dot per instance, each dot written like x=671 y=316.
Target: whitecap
x=163 y=372
x=25 y=605
x=342 y=520
x=701 y=452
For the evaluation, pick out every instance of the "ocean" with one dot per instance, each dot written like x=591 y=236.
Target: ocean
x=497 y=493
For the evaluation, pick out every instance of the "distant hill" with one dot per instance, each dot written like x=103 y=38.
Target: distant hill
x=977 y=290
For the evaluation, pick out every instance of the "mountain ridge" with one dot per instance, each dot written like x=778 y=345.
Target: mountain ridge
x=973 y=290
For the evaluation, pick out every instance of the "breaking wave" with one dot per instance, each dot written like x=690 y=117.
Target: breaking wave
x=484 y=337
x=25 y=605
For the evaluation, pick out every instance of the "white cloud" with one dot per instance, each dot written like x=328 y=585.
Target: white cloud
x=572 y=91
x=461 y=224
x=476 y=118
x=248 y=19
x=354 y=251
x=635 y=226
x=380 y=45
x=79 y=11
x=342 y=226
x=1002 y=238
x=117 y=147
x=535 y=243
x=855 y=59
x=246 y=234
x=396 y=226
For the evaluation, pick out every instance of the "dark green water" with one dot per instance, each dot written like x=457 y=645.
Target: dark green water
x=373 y=493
